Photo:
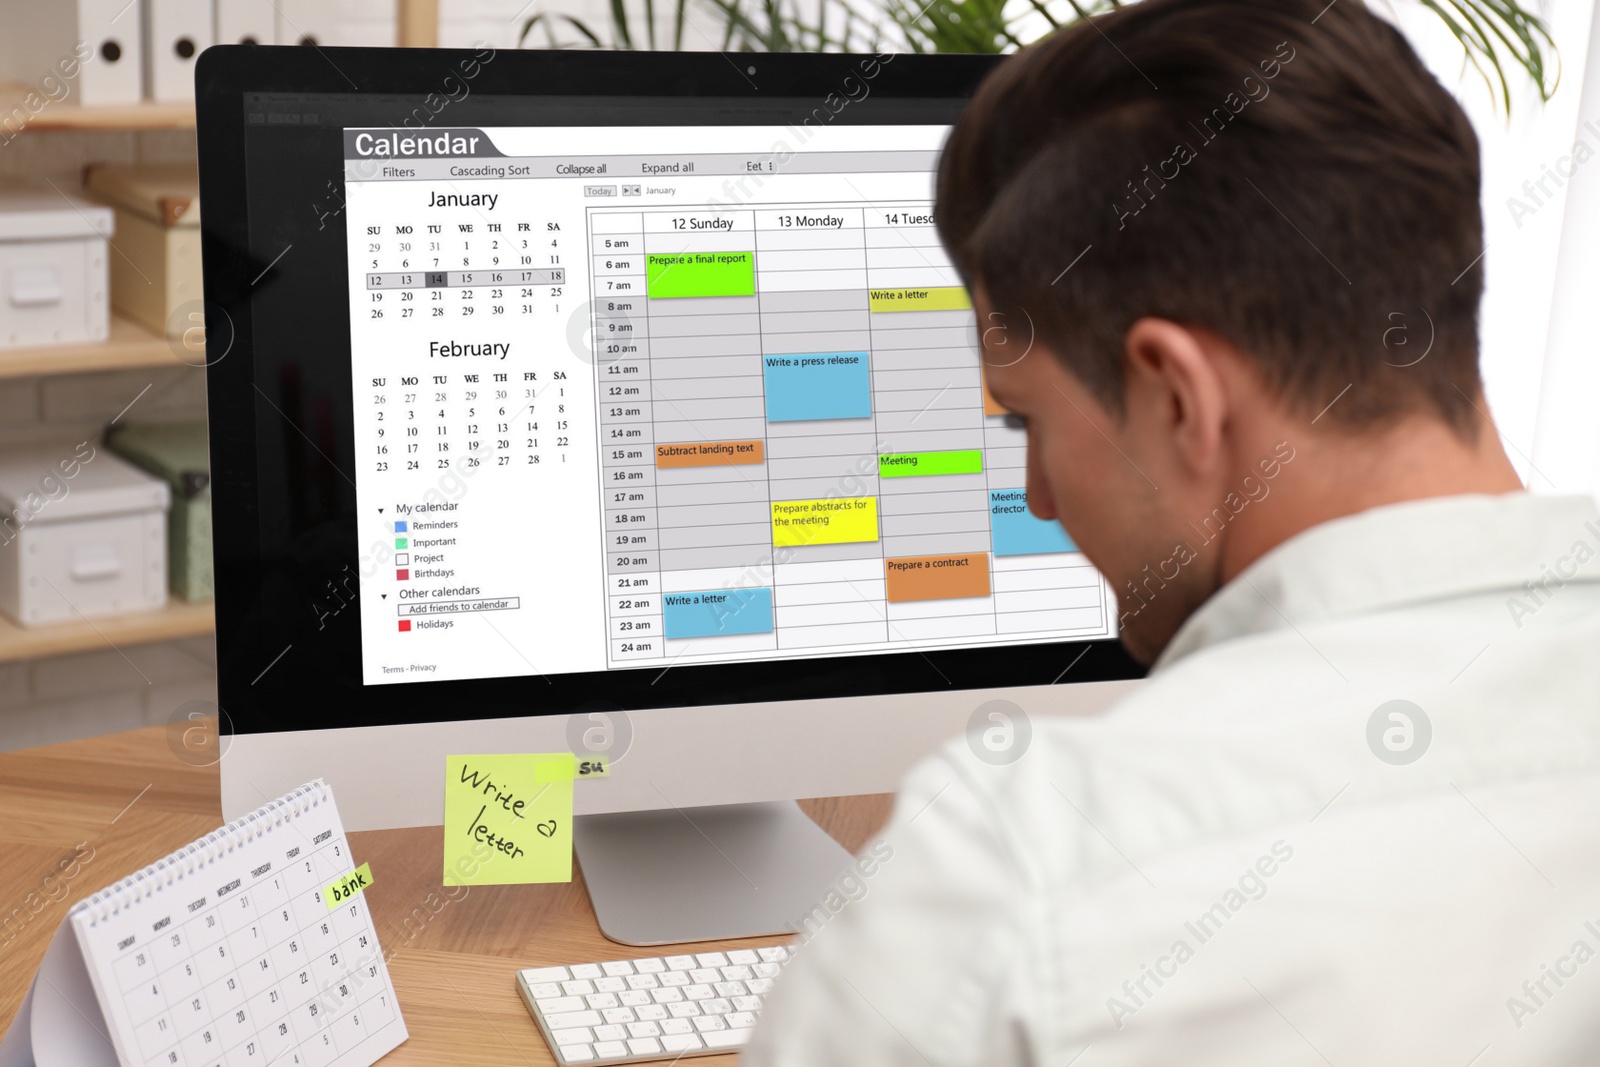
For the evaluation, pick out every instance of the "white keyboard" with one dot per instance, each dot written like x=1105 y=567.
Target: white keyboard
x=658 y=1007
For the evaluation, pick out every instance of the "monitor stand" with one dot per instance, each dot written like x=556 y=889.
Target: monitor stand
x=704 y=874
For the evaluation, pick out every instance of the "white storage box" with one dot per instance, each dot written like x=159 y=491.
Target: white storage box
x=83 y=533
x=157 y=266
x=53 y=275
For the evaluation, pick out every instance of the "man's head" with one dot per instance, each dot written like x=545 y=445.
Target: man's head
x=1224 y=232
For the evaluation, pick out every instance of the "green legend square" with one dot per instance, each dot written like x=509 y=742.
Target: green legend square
x=400 y=542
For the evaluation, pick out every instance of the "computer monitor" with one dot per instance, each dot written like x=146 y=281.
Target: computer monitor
x=625 y=402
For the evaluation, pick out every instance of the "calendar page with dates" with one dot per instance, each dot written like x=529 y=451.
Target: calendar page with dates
x=634 y=396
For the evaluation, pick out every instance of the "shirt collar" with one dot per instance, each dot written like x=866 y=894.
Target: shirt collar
x=1399 y=554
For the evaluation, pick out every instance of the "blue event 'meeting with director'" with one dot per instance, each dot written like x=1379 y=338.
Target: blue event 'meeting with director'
x=1351 y=817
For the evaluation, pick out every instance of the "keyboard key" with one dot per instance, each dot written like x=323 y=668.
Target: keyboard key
x=610 y=1050
x=666 y=996
x=586 y=970
x=578 y=987
x=674 y=978
x=576 y=1053
x=712 y=959
x=544 y=990
x=708 y=1023
x=697 y=992
x=684 y=1009
x=746 y=1003
x=651 y=965
x=775 y=954
x=578 y=1035
x=765 y=970
x=705 y=975
x=609 y=985
x=644 y=1030
x=727 y=1038
x=725 y=989
x=681 y=963
x=643 y=981
x=545 y=974
x=715 y=1007
x=609 y=1032
x=644 y=1046
x=652 y=1011
x=743 y=956
x=567 y=1019
x=740 y=1020
x=557 y=1004
x=633 y=998
x=616 y=968
x=734 y=974
x=620 y=1015
x=759 y=986
x=682 y=1043
x=676 y=1026
x=600 y=1000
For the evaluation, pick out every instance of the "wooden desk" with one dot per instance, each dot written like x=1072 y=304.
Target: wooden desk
x=133 y=800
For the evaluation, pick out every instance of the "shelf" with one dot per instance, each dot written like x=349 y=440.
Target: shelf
x=128 y=345
x=70 y=115
x=178 y=619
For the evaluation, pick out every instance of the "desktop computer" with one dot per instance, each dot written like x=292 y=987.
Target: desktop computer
x=614 y=403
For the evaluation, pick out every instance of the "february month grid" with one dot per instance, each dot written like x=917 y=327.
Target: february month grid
x=256 y=970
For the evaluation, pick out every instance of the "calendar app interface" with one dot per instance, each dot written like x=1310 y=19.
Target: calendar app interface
x=631 y=397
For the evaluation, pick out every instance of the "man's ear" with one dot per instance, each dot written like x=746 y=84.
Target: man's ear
x=1175 y=393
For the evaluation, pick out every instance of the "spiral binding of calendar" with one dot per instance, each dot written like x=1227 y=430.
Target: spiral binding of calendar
x=187 y=861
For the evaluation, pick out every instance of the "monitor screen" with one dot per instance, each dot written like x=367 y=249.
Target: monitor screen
x=632 y=396
x=546 y=400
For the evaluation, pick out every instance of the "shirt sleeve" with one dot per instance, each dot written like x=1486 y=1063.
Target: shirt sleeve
x=914 y=956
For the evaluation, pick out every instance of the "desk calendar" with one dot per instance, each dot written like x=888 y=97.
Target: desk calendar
x=224 y=954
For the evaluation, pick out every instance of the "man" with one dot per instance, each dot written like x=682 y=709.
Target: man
x=1226 y=256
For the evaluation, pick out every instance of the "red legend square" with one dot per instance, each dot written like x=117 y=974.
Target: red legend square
x=402 y=575
x=405 y=626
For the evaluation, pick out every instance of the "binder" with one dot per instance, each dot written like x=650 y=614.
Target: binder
x=244 y=22
x=72 y=51
x=310 y=22
x=175 y=33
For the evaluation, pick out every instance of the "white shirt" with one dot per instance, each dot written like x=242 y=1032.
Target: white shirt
x=1220 y=870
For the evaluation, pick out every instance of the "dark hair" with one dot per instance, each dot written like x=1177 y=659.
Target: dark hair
x=1285 y=173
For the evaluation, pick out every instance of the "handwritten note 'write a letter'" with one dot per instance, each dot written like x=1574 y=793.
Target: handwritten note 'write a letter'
x=508 y=819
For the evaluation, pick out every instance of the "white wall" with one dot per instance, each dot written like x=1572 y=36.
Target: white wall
x=1523 y=247
x=1567 y=444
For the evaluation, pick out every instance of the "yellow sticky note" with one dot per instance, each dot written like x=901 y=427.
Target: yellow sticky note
x=508 y=819
x=347 y=886
x=824 y=522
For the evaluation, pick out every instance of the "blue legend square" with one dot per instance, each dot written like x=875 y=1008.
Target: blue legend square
x=399 y=527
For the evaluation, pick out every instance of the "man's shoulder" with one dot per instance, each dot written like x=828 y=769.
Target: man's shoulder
x=1264 y=731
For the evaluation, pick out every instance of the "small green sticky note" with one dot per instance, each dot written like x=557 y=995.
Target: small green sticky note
x=347 y=886
x=556 y=767
x=593 y=766
x=401 y=542
x=508 y=819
